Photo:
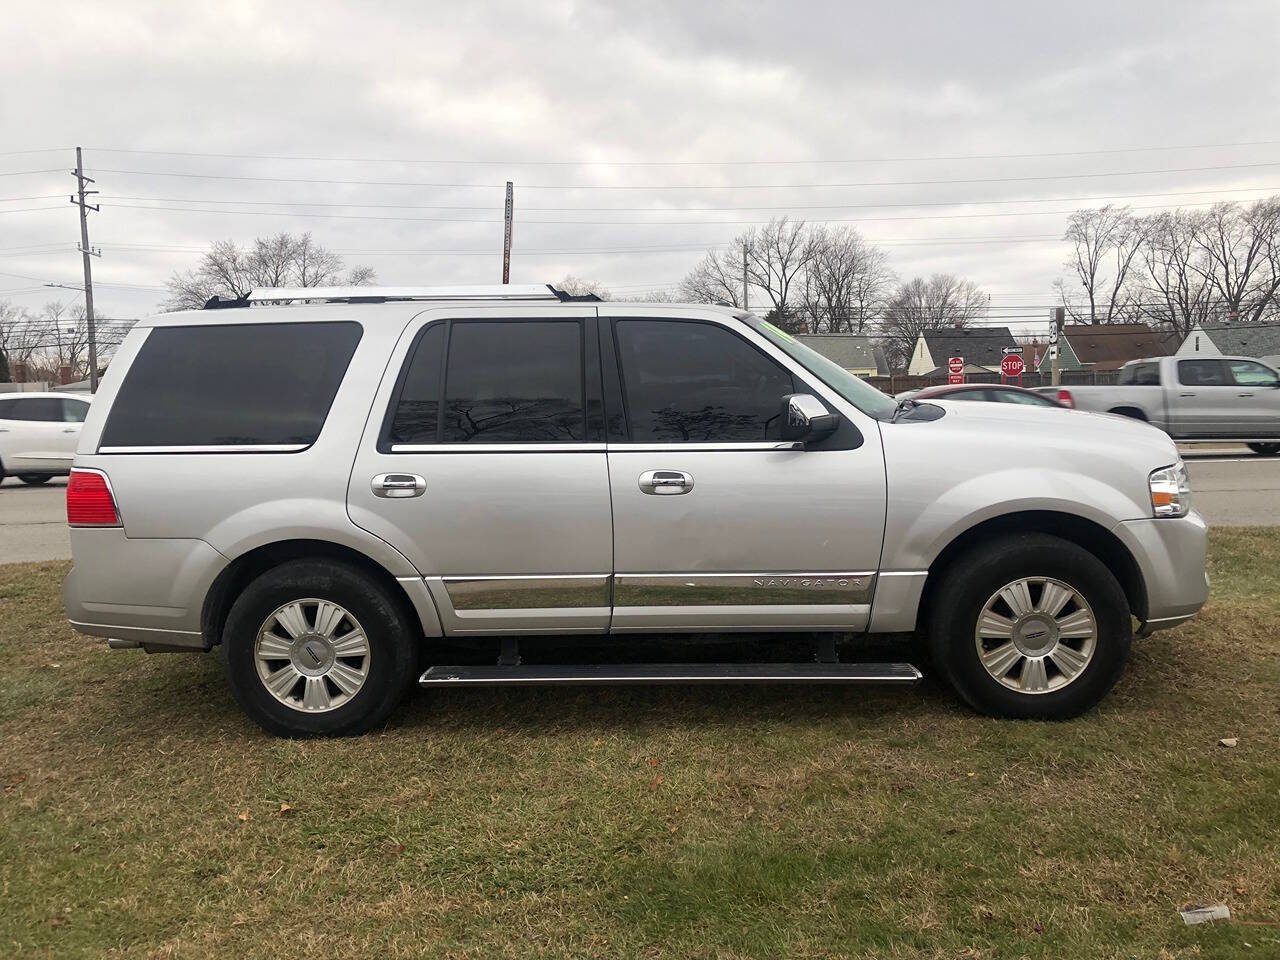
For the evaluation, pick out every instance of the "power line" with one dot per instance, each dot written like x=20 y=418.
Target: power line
x=741 y=186
x=26 y=173
x=682 y=163
x=675 y=209
x=624 y=223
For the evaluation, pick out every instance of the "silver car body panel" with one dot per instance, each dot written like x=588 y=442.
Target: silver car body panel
x=550 y=538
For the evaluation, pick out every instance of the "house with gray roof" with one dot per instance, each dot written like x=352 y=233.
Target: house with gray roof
x=1260 y=340
x=979 y=346
x=857 y=354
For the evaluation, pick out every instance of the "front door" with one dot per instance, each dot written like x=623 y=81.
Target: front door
x=484 y=464
x=718 y=524
x=1258 y=396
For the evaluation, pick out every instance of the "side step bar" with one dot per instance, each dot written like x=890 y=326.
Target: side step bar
x=652 y=673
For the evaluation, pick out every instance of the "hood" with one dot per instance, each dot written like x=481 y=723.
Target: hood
x=1011 y=430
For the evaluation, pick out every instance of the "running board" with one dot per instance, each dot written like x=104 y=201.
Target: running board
x=529 y=675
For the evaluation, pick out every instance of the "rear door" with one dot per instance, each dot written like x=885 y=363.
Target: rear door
x=38 y=439
x=1206 y=401
x=718 y=524
x=484 y=464
x=1258 y=394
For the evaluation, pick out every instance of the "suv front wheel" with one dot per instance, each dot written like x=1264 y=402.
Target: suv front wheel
x=1030 y=626
x=319 y=648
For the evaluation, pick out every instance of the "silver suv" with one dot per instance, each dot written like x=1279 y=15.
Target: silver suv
x=328 y=489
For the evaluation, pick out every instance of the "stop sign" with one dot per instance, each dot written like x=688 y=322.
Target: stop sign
x=955 y=365
x=1012 y=365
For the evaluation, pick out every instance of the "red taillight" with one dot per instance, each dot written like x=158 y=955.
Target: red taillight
x=89 y=500
x=1065 y=398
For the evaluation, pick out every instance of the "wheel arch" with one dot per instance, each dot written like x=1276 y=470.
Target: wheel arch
x=1134 y=413
x=1079 y=530
x=415 y=604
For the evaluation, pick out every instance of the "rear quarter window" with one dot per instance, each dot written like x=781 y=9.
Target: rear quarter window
x=250 y=385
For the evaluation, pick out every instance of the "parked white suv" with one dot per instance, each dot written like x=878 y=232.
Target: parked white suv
x=39 y=433
x=326 y=488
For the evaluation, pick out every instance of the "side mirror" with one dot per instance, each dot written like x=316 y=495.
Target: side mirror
x=805 y=417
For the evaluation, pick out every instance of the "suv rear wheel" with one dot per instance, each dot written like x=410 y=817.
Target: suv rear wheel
x=34 y=479
x=319 y=648
x=1266 y=449
x=1030 y=626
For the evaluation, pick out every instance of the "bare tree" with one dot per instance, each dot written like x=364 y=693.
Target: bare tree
x=578 y=287
x=1105 y=245
x=282 y=260
x=716 y=278
x=1240 y=245
x=1175 y=287
x=847 y=282
x=776 y=255
x=940 y=302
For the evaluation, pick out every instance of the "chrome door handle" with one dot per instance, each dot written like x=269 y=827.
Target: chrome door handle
x=69 y=430
x=665 y=483
x=1186 y=394
x=397 y=485
x=1244 y=394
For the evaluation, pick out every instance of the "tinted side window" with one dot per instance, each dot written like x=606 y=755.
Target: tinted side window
x=1029 y=399
x=43 y=409
x=692 y=382
x=1140 y=375
x=7 y=408
x=1250 y=374
x=514 y=381
x=417 y=413
x=1203 y=373
x=74 y=411
x=243 y=384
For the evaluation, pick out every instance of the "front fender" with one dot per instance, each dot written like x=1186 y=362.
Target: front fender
x=923 y=520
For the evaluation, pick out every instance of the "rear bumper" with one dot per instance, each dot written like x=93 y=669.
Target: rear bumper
x=1171 y=555
x=148 y=590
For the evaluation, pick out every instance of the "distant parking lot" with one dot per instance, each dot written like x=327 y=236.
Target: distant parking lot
x=1233 y=488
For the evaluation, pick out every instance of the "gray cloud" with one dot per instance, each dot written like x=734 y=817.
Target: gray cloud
x=517 y=82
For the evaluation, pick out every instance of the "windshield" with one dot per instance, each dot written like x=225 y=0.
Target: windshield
x=858 y=392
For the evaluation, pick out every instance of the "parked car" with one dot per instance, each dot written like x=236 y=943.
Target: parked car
x=1193 y=399
x=325 y=488
x=38 y=434
x=983 y=393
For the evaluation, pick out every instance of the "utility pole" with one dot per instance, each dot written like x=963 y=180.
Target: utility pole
x=745 y=304
x=85 y=253
x=1059 y=314
x=508 y=210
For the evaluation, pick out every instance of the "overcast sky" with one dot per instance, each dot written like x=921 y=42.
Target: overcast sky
x=567 y=99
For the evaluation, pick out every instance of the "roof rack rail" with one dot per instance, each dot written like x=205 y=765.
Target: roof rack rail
x=510 y=291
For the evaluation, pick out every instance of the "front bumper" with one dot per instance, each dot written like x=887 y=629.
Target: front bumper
x=1170 y=553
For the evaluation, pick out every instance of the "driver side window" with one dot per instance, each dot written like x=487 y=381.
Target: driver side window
x=686 y=381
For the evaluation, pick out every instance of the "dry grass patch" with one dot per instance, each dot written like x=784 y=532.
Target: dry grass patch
x=141 y=813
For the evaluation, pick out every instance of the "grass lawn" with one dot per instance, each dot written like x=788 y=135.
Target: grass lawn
x=143 y=816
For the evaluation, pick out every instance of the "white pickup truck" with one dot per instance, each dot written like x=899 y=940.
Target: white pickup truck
x=1193 y=399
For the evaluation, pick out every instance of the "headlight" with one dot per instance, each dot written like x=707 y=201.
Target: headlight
x=1170 y=491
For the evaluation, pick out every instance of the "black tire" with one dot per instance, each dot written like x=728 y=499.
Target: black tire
x=977 y=575
x=394 y=646
x=1265 y=449
x=35 y=479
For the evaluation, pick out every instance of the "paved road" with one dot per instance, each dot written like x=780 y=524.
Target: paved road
x=1231 y=489
x=33 y=521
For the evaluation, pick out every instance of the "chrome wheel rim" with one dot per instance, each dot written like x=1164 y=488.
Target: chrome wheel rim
x=1036 y=635
x=312 y=655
